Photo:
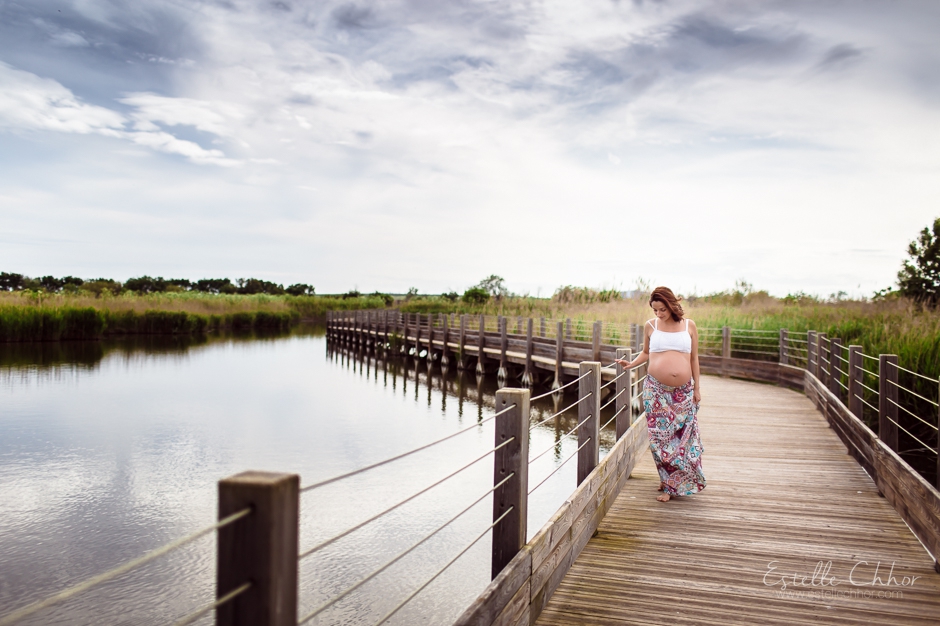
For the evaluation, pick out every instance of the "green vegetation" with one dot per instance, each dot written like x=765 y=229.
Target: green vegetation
x=919 y=278
x=42 y=323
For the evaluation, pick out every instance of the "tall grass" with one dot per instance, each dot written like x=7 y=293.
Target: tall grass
x=44 y=323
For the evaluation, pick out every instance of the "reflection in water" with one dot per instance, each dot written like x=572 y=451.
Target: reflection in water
x=110 y=449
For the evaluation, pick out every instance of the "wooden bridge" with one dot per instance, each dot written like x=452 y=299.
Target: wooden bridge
x=809 y=516
x=821 y=504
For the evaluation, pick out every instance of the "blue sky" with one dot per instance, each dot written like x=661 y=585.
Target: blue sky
x=431 y=143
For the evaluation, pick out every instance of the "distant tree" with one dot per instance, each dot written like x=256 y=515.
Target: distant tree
x=493 y=285
x=50 y=284
x=214 y=285
x=412 y=293
x=389 y=300
x=99 y=286
x=11 y=282
x=146 y=284
x=352 y=293
x=476 y=295
x=251 y=286
x=453 y=296
x=300 y=289
x=919 y=278
x=182 y=283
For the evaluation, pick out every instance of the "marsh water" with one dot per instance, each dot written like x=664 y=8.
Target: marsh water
x=111 y=449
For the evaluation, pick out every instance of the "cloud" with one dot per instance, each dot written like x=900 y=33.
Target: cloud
x=28 y=102
x=218 y=118
x=31 y=103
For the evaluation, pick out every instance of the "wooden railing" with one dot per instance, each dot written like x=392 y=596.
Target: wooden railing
x=258 y=550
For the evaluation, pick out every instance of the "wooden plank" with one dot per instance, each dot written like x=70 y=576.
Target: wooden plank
x=781 y=489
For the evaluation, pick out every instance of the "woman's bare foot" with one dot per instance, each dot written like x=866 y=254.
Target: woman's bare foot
x=661 y=485
x=663 y=497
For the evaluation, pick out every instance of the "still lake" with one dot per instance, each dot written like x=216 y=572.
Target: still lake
x=111 y=449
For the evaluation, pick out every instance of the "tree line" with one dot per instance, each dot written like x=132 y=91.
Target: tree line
x=10 y=281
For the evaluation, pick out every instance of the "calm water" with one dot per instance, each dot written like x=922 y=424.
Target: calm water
x=111 y=449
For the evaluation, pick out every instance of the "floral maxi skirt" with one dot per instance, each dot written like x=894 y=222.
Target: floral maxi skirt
x=674 y=436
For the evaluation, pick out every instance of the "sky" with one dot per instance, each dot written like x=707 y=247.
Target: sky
x=431 y=143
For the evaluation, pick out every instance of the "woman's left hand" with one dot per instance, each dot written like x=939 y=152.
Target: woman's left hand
x=697 y=396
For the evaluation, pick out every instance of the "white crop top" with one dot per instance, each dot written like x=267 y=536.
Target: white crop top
x=661 y=341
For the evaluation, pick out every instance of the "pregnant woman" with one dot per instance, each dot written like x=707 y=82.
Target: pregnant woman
x=671 y=396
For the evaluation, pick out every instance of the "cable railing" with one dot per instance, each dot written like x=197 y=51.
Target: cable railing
x=104 y=577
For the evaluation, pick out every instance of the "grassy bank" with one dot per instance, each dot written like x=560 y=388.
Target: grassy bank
x=44 y=323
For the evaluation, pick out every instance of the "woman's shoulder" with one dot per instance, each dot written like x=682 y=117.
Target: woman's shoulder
x=691 y=323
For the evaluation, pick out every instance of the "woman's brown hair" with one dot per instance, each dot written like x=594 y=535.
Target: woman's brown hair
x=665 y=295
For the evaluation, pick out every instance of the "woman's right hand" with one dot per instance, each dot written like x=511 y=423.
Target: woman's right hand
x=622 y=362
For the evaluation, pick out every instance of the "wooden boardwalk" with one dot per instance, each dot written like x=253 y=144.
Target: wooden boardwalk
x=782 y=493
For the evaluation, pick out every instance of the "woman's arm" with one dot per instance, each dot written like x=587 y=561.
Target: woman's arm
x=696 y=371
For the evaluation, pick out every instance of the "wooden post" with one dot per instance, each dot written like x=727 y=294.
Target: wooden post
x=855 y=380
x=835 y=366
x=623 y=389
x=445 y=359
x=784 y=345
x=638 y=339
x=820 y=350
x=430 y=341
x=503 y=372
x=725 y=342
x=589 y=388
x=568 y=328
x=418 y=335
x=811 y=351
x=261 y=549
x=528 y=376
x=596 y=341
x=510 y=460
x=462 y=344
x=481 y=343
x=888 y=393
x=542 y=328
x=559 y=354
x=519 y=325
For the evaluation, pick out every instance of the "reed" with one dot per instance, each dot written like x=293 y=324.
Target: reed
x=45 y=323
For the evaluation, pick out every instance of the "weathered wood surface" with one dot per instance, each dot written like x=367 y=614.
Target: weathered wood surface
x=516 y=596
x=782 y=492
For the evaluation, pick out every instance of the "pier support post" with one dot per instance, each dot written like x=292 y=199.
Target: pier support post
x=589 y=392
x=542 y=328
x=528 y=376
x=445 y=351
x=510 y=461
x=888 y=393
x=623 y=400
x=568 y=328
x=596 y=340
x=855 y=380
x=260 y=548
x=462 y=344
x=784 y=344
x=481 y=343
x=503 y=372
x=726 y=342
x=559 y=354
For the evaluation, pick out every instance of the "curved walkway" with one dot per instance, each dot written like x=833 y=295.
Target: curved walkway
x=784 y=501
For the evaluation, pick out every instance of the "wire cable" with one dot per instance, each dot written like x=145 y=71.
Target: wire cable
x=570 y=456
x=559 y=440
x=611 y=401
x=567 y=408
x=231 y=595
x=554 y=391
x=404 y=454
x=614 y=417
x=443 y=569
x=917 y=417
x=933 y=380
x=349 y=531
x=401 y=555
x=117 y=571
x=913 y=393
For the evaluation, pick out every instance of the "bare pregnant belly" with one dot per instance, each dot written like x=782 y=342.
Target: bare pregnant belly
x=671 y=368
